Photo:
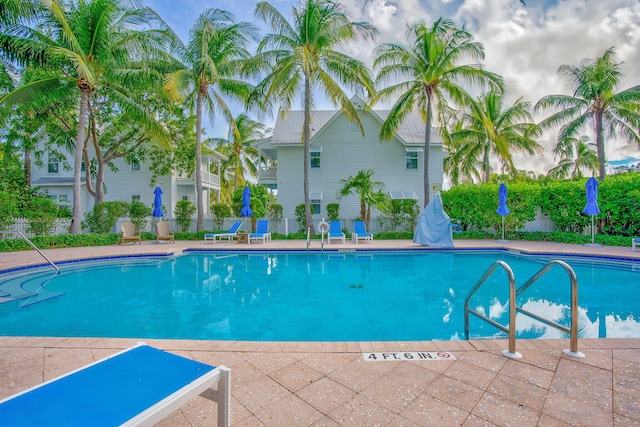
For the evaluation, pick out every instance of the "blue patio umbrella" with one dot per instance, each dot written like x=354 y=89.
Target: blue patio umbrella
x=157 y=203
x=246 y=200
x=502 y=210
x=591 y=208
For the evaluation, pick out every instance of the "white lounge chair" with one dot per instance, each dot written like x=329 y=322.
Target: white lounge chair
x=262 y=231
x=138 y=386
x=634 y=242
x=229 y=235
x=360 y=232
x=335 y=232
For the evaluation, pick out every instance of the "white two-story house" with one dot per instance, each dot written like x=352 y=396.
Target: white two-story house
x=339 y=150
x=129 y=183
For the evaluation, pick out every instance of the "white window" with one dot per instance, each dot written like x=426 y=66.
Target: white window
x=54 y=163
x=412 y=160
x=135 y=166
x=315 y=156
x=316 y=201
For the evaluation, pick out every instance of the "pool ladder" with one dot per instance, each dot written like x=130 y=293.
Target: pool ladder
x=26 y=239
x=513 y=308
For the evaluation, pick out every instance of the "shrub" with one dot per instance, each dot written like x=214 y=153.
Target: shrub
x=139 y=212
x=103 y=217
x=301 y=217
x=42 y=214
x=399 y=212
x=275 y=214
x=220 y=211
x=7 y=210
x=184 y=211
x=333 y=211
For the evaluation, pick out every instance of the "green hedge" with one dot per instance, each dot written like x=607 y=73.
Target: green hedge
x=562 y=201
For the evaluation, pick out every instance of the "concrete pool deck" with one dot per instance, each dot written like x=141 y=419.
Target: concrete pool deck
x=330 y=383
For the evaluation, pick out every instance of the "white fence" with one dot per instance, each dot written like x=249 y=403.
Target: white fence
x=285 y=226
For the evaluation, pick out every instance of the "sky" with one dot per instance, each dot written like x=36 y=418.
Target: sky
x=524 y=44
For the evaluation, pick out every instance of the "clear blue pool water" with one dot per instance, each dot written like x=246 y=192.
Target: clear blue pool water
x=377 y=296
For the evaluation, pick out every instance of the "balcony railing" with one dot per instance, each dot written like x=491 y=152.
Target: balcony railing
x=269 y=173
x=207 y=178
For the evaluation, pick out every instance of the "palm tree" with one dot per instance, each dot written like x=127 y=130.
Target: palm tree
x=242 y=157
x=88 y=45
x=595 y=104
x=576 y=155
x=304 y=58
x=368 y=190
x=208 y=73
x=460 y=166
x=430 y=72
x=493 y=131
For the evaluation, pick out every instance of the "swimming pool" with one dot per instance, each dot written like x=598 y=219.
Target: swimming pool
x=295 y=296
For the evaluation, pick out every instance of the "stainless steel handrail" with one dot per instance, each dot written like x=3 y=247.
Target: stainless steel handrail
x=26 y=239
x=511 y=330
x=513 y=308
x=308 y=238
x=573 y=330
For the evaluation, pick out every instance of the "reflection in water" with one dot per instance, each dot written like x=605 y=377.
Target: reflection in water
x=590 y=325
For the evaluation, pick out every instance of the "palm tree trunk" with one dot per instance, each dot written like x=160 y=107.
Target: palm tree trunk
x=77 y=163
x=600 y=143
x=307 y=153
x=487 y=165
x=198 y=172
x=427 y=146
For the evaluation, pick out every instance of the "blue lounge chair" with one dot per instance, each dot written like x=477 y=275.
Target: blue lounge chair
x=138 y=386
x=360 y=232
x=335 y=232
x=634 y=242
x=230 y=235
x=262 y=231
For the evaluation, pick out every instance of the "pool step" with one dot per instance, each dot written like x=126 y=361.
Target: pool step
x=29 y=291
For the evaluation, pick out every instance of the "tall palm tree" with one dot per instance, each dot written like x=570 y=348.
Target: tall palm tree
x=369 y=191
x=304 y=58
x=88 y=44
x=494 y=131
x=209 y=71
x=242 y=157
x=596 y=104
x=426 y=74
x=576 y=155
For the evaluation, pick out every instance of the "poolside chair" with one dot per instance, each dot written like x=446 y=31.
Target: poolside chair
x=335 y=232
x=635 y=241
x=129 y=233
x=262 y=231
x=138 y=386
x=229 y=235
x=360 y=233
x=163 y=231
x=456 y=227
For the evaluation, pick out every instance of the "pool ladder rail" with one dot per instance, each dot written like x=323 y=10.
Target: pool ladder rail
x=513 y=308
x=26 y=239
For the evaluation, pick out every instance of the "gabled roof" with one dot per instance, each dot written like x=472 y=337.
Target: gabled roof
x=288 y=129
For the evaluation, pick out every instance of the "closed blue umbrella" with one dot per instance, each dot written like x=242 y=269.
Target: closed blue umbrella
x=503 y=209
x=157 y=203
x=591 y=208
x=246 y=200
